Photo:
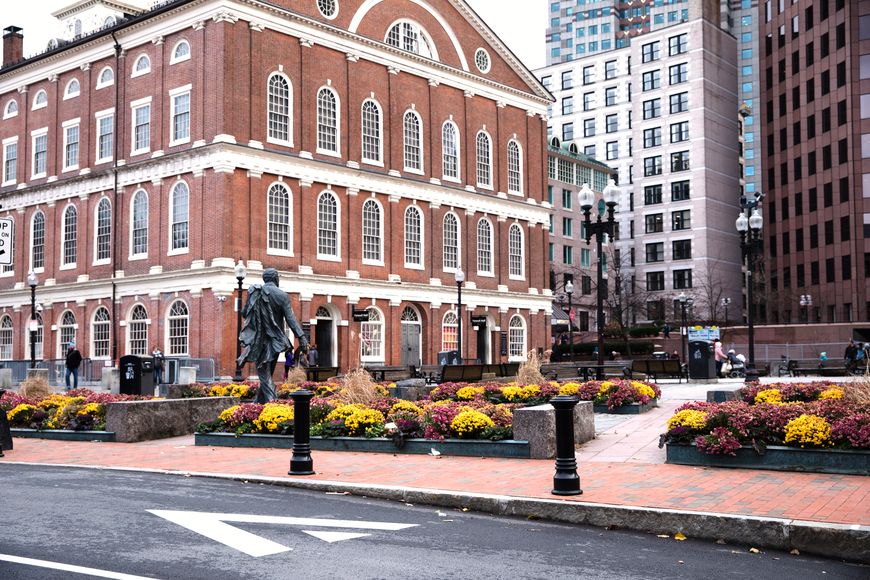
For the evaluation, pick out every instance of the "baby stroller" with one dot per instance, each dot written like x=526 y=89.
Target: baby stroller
x=735 y=366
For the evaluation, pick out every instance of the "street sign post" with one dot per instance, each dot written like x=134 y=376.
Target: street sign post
x=7 y=237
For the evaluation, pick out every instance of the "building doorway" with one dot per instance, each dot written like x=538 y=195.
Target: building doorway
x=324 y=338
x=411 y=337
x=484 y=344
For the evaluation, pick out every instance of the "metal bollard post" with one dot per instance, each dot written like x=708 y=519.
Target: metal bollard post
x=566 y=481
x=301 y=463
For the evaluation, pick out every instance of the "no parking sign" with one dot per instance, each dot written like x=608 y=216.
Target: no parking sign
x=6 y=238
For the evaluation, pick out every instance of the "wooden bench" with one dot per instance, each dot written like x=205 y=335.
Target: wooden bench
x=798 y=367
x=390 y=373
x=656 y=368
x=833 y=368
x=460 y=373
x=609 y=370
x=318 y=374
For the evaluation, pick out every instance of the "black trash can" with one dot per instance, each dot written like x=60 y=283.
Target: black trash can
x=702 y=362
x=137 y=375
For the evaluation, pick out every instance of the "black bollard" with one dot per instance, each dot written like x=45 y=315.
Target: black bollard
x=301 y=463
x=566 y=481
x=5 y=433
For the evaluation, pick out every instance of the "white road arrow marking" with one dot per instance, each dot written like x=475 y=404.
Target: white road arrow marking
x=214 y=526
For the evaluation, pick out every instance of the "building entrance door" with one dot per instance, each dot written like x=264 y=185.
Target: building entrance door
x=324 y=338
x=411 y=334
x=484 y=352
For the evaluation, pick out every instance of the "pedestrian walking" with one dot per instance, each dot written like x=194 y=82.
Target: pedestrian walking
x=313 y=356
x=159 y=363
x=667 y=330
x=719 y=356
x=850 y=355
x=289 y=361
x=73 y=361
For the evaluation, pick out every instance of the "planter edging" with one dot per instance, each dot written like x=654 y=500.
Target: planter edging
x=64 y=434
x=778 y=458
x=630 y=409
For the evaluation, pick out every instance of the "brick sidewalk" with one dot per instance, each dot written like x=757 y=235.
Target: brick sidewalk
x=824 y=498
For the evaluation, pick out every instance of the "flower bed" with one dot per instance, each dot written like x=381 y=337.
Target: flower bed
x=77 y=410
x=798 y=415
x=616 y=396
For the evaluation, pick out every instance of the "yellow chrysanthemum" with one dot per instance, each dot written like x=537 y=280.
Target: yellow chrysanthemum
x=568 y=388
x=808 y=430
x=272 y=416
x=769 y=396
x=20 y=412
x=644 y=389
x=405 y=406
x=342 y=412
x=469 y=393
x=470 y=422
x=362 y=419
x=95 y=409
x=832 y=393
x=227 y=414
x=605 y=386
x=688 y=418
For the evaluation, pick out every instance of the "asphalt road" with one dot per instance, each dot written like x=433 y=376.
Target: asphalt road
x=100 y=520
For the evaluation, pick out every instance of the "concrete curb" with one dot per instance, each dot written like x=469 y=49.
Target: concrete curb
x=844 y=541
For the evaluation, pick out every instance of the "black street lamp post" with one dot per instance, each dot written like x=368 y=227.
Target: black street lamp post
x=806 y=302
x=686 y=302
x=459 y=276
x=569 y=290
x=240 y=276
x=599 y=229
x=750 y=247
x=725 y=303
x=32 y=281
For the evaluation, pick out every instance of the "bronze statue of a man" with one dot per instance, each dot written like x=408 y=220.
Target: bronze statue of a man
x=263 y=337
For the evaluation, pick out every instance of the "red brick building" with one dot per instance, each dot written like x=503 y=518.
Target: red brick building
x=364 y=148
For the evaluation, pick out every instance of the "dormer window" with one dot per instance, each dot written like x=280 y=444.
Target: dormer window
x=407 y=35
x=181 y=52
x=11 y=109
x=72 y=89
x=40 y=101
x=106 y=78
x=142 y=66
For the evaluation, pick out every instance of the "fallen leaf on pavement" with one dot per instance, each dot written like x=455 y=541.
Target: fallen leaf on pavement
x=680 y=562
x=795 y=552
x=754 y=551
x=679 y=536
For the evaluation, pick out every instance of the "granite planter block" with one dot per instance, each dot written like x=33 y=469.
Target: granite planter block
x=850 y=462
x=723 y=394
x=537 y=425
x=111 y=379
x=465 y=447
x=411 y=389
x=63 y=435
x=186 y=375
x=631 y=409
x=5 y=379
x=146 y=420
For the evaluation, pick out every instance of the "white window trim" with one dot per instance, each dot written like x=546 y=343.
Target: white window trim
x=98 y=116
x=269 y=139
x=103 y=84
x=363 y=158
x=175 y=60
x=329 y=257
x=521 y=357
x=134 y=105
x=72 y=265
x=458 y=242
x=522 y=275
x=369 y=261
x=458 y=178
x=420 y=30
x=93 y=334
x=186 y=249
x=491 y=168
x=131 y=256
x=422 y=264
x=139 y=73
x=9 y=141
x=166 y=328
x=67 y=95
x=36 y=105
x=383 y=341
x=334 y=15
x=30 y=245
x=178 y=92
x=274 y=251
x=520 y=191
x=33 y=136
x=6 y=113
x=64 y=126
x=407 y=169
x=491 y=272
x=337 y=152
x=96 y=232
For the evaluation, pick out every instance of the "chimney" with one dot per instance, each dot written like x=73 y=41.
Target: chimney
x=13 y=45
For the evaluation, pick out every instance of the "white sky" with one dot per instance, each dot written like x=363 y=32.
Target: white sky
x=520 y=24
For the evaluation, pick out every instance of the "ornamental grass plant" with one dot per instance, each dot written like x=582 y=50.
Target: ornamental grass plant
x=529 y=372
x=35 y=387
x=357 y=386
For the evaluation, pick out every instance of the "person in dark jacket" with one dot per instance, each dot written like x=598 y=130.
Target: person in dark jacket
x=263 y=337
x=73 y=361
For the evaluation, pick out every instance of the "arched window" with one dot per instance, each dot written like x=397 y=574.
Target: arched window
x=450 y=254
x=413 y=142
x=137 y=331
x=37 y=242
x=104 y=230
x=68 y=236
x=139 y=237
x=101 y=332
x=180 y=52
x=142 y=65
x=106 y=78
x=279 y=224
x=413 y=238
x=67 y=332
x=450 y=151
x=11 y=109
x=179 y=207
x=516 y=253
x=449 y=332
x=371 y=336
x=6 y=338
x=328 y=8
x=73 y=88
x=279 y=109
x=484 y=160
x=517 y=338
x=484 y=247
x=410 y=36
x=373 y=242
x=327 y=121
x=327 y=226
x=178 y=324
x=40 y=100
x=515 y=167
x=372 y=132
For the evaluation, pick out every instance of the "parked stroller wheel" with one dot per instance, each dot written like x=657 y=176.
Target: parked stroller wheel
x=737 y=374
